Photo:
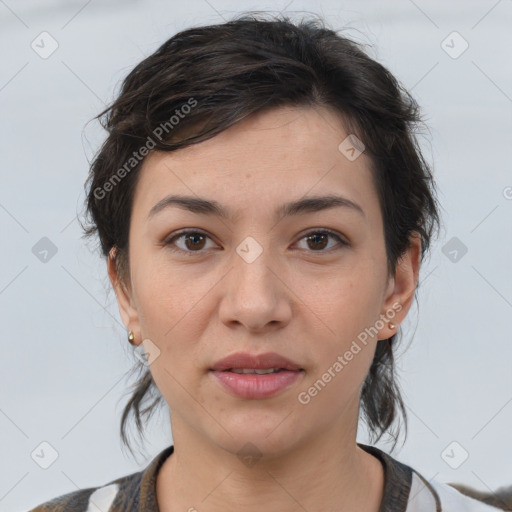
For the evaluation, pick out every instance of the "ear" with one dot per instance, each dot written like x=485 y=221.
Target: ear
x=129 y=313
x=401 y=288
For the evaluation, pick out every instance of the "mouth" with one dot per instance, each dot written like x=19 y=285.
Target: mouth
x=256 y=376
x=247 y=384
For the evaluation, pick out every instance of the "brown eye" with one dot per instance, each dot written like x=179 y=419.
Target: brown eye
x=317 y=241
x=194 y=241
x=191 y=241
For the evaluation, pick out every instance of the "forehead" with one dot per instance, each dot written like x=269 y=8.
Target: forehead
x=269 y=158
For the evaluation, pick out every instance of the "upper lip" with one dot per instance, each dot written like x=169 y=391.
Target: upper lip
x=256 y=361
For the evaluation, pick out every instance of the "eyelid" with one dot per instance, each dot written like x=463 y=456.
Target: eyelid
x=343 y=242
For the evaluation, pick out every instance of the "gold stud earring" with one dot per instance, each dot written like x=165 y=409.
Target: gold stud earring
x=131 y=338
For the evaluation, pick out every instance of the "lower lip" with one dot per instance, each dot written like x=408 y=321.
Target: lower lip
x=255 y=386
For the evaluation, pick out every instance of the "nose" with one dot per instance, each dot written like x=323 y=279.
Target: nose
x=256 y=294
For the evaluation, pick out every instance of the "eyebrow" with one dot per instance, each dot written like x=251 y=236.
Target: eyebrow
x=211 y=207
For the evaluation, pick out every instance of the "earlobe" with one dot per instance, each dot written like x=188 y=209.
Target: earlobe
x=402 y=288
x=129 y=314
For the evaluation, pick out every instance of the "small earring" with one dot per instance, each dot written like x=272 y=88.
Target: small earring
x=392 y=325
x=131 y=338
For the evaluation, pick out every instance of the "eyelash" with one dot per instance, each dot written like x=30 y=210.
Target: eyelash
x=170 y=241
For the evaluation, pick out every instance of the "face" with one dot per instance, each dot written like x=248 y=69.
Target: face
x=307 y=285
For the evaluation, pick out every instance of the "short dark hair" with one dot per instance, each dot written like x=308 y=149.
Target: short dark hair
x=211 y=77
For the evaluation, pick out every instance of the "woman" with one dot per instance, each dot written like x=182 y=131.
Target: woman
x=264 y=209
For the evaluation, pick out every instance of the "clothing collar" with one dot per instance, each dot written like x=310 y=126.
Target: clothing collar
x=397 y=482
x=148 y=500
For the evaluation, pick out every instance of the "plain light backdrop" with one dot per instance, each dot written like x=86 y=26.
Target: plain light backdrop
x=64 y=353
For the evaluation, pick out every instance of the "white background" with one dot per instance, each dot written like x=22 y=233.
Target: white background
x=64 y=353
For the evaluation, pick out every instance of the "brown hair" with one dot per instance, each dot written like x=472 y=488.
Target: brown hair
x=204 y=80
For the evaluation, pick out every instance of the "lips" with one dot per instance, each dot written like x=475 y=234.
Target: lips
x=258 y=376
x=246 y=361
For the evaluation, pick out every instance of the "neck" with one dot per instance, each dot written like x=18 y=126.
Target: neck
x=329 y=472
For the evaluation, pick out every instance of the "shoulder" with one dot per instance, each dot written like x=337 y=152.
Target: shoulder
x=443 y=496
x=453 y=499
x=123 y=494
x=87 y=500
x=407 y=490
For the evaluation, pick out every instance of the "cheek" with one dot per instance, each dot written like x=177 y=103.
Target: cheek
x=343 y=303
x=163 y=295
x=343 y=310
x=332 y=393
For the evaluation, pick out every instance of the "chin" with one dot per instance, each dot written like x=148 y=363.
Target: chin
x=268 y=433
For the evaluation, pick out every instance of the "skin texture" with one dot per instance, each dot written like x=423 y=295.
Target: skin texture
x=307 y=301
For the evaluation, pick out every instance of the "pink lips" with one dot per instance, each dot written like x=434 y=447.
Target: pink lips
x=254 y=386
